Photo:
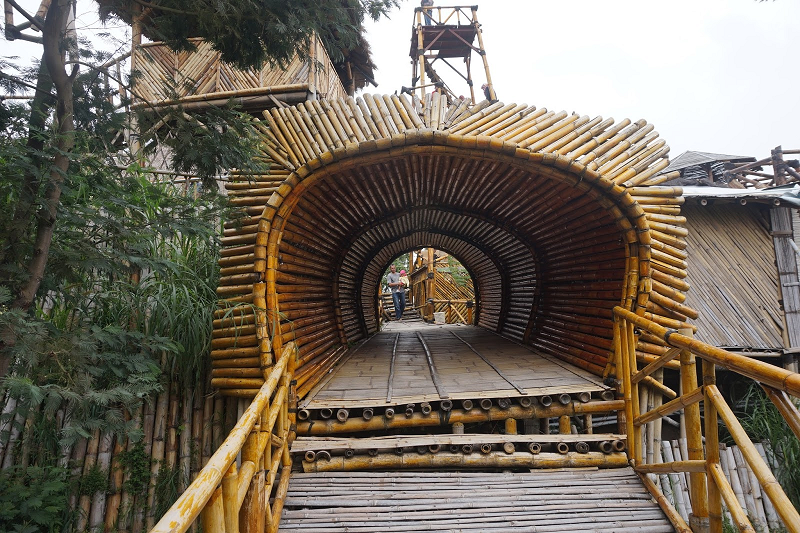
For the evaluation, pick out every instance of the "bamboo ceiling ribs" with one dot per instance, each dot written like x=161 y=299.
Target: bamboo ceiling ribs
x=557 y=217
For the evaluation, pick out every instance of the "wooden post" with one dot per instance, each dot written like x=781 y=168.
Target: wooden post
x=788 y=277
x=698 y=491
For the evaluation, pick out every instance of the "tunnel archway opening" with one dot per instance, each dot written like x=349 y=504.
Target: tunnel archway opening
x=436 y=282
x=553 y=246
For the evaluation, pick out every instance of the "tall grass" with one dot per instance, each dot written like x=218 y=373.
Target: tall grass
x=763 y=423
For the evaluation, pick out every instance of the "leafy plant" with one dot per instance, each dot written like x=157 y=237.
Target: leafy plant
x=34 y=499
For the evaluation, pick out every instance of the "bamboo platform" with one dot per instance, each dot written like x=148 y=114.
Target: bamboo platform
x=553 y=500
x=415 y=362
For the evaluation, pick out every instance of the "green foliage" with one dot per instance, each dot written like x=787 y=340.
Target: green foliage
x=764 y=423
x=166 y=488
x=136 y=464
x=93 y=481
x=249 y=33
x=34 y=499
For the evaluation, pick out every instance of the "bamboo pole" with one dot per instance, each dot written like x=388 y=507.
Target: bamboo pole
x=325 y=427
x=783 y=505
x=737 y=513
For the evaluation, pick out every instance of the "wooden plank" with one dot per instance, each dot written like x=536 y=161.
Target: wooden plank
x=488 y=362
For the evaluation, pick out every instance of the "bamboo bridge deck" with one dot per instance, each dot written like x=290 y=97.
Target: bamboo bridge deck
x=413 y=362
x=544 y=500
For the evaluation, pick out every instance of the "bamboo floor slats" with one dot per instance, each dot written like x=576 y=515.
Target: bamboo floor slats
x=363 y=379
x=587 y=500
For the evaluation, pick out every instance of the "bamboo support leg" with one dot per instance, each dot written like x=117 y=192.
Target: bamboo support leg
x=691 y=417
x=712 y=453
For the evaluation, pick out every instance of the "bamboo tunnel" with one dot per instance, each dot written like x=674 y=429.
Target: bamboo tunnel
x=334 y=218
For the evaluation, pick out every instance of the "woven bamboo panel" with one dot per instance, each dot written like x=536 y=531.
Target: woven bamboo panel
x=555 y=215
x=728 y=281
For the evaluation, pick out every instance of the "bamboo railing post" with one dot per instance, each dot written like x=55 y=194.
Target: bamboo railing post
x=698 y=490
x=634 y=392
x=621 y=350
x=230 y=490
x=213 y=515
x=712 y=450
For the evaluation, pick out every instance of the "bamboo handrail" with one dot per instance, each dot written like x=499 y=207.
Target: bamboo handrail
x=775 y=377
x=185 y=510
x=777 y=382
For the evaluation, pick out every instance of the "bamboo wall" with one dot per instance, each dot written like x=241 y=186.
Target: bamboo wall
x=567 y=209
x=733 y=261
x=165 y=75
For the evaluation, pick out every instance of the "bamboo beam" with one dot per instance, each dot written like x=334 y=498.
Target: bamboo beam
x=786 y=407
x=673 y=466
x=325 y=427
x=460 y=460
x=670 y=407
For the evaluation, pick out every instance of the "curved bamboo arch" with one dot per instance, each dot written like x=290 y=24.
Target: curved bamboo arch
x=330 y=144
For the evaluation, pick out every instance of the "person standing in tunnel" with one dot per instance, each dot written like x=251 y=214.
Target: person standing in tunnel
x=398 y=289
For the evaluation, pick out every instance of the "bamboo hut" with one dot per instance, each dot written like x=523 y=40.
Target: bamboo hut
x=742 y=222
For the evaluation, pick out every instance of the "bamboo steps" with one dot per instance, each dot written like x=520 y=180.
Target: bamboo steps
x=542 y=500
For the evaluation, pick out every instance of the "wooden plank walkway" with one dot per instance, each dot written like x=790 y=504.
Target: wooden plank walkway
x=417 y=362
x=549 y=500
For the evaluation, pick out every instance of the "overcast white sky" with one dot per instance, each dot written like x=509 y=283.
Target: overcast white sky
x=711 y=75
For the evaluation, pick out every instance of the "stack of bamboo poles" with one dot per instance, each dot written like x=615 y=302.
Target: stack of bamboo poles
x=675 y=485
x=493 y=181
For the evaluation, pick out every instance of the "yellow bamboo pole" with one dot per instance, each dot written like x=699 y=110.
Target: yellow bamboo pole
x=712 y=449
x=738 y=515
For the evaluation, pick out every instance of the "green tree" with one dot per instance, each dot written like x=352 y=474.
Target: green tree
x=247 y=33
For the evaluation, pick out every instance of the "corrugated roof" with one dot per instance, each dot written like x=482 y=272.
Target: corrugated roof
x=788 y=194
x=691 y=159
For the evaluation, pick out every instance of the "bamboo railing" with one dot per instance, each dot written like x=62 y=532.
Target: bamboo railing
x=709 y=487
x=229 y=486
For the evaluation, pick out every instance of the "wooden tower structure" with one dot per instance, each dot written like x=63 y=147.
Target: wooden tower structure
x=441 y=35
